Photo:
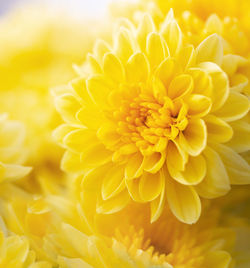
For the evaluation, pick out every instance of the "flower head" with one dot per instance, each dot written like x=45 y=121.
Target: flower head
x=152 y=120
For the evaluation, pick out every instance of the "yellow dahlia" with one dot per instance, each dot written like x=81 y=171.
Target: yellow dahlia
x=135 y=242
x=15 y=251
x=152 y=119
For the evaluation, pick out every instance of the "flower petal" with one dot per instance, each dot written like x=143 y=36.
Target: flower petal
x=135 y=74
x=113 y=68
x=235 y=107
x=216 y=182
x=78 y=140
x=95 y=155
x=220 y=84
x=180 y=86
x=114 y=204
x=240 y=141
x=99 y=89
x=198 y=105
x=134 y=167
x=67 y=106
x=237 y=167
x=113 y=182
x=157 y=205
x=183 y=201
x=193 y=139
x=172 y=34
x=123 y=44
x=194 y=172
x=155 y=49
x=210 y=50
x=146 y=26
x=154 y=162
x=150 y=185
x=217 y=129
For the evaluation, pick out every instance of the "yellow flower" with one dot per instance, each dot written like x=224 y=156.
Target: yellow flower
x=15 y=251
x=135 y=242
x=12 y=152
x=152 y=120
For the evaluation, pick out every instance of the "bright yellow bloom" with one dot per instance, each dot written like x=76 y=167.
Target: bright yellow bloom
x=152 y=121
x=15 y=251
x=12 y=152
x=128 y=239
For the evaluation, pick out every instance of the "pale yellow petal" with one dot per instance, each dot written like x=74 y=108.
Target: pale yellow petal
x=155 y=49
x=99 y=89
x=146 y=27
x=134 y=167
x=113 y=182
x=193 y=140
x=114 y=204
x=240 y=141
x=218 y=130
x=172 y=34
x=198 y=105
x=180 y=86
x=210 y=50
x=216 y=182
x=113 y=68
x=235 y=107
x=154 y=162
x=183 y=201
x=150 y=185
x=157 y=205
x=67 y=106
x=194 y=172
x=135 y=74
x=237 y=167
x=90 y=117
x=78 y=140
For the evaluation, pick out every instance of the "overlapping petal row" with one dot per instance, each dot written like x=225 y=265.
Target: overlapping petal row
x=12 y=150
x=155 y=119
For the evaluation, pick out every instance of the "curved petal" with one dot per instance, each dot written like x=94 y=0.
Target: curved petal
x=134 y=167
x=135 y=74
x=78 y=140
x=217 y=129
x=180 y=86
x=154 y=162
x=193 y=139
x=146 y=26
x=194 y=172
x=155 y=49
x=183 y=201
x=237 y=167
x=176 y=159
x=150 y=185
x=172 y=34
x=95 y=155
x=198 y=105
x=240 y=141
x=113 y=68
x=133 y=189
x=113 y=182
x=114 y=204
x=157 y=205
x=90 y=117
x=236 y=106
x=220 y=82
x=67 y=106
x=210 y=50
x=216 y=182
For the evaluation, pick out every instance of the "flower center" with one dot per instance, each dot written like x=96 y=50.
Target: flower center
x=149 y=123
